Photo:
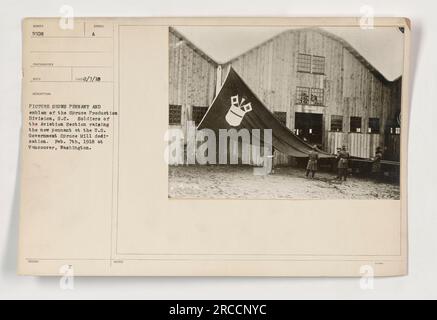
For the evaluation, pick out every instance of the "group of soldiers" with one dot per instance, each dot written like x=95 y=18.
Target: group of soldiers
x=342 y=163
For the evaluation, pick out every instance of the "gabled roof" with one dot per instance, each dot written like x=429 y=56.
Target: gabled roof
x=354 y=52
x=330 y=35
x=193 y=46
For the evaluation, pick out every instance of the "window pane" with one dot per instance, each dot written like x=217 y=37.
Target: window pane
x=392 y=126
x=281 y=116
x=175 y=114
x=198 y=113
x=303 y=62
x=318 y=65
x=303 y=95
x=373 y=125
x=317 y=97
x=336 y=123
x=355 y=125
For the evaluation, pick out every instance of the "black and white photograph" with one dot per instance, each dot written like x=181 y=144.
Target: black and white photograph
x=262 y=112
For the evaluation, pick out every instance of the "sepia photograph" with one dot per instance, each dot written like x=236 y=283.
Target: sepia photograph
x=284 y=112
x=224 y=153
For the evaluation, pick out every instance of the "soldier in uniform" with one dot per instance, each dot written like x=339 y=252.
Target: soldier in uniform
x=334 y=163
x=312 y=162
x=376 y=165
x=343 y=157
x=272 y=159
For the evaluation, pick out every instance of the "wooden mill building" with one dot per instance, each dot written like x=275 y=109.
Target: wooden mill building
x=313 y=81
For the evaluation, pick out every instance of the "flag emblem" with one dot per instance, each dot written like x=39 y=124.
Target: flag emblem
x=237 y=111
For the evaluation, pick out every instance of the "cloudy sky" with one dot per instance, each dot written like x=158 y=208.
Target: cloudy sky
x=382 y=46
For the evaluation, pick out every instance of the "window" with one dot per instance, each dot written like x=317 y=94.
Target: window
x=303 y=95
x=304 y=63
x=392 y=126
x=373 y=125
x=355 y=125
x=318 y=65
x=198 y=113
x=175 y=114
x=281 y=116
x=336 y=123
x=317 y=97
x=307 y=96
x=310 y=64
x=395 y=130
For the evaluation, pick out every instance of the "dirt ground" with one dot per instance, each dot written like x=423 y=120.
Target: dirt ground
x=239 y=182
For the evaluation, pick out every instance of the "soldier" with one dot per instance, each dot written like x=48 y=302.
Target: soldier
x=343 y=157
x=376 y=165
x=334 y=162
x=312 y=162
x=272 y=159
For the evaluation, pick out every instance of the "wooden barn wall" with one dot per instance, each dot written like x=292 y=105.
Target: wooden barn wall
x=192 y=77
x=360 y=145
x=350 y=87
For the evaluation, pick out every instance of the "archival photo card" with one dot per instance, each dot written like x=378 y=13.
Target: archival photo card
x=214 y=147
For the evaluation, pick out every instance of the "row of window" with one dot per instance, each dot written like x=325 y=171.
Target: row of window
x=310 y=63
x=175 y=115
x=337 y=123
x=355 y=124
